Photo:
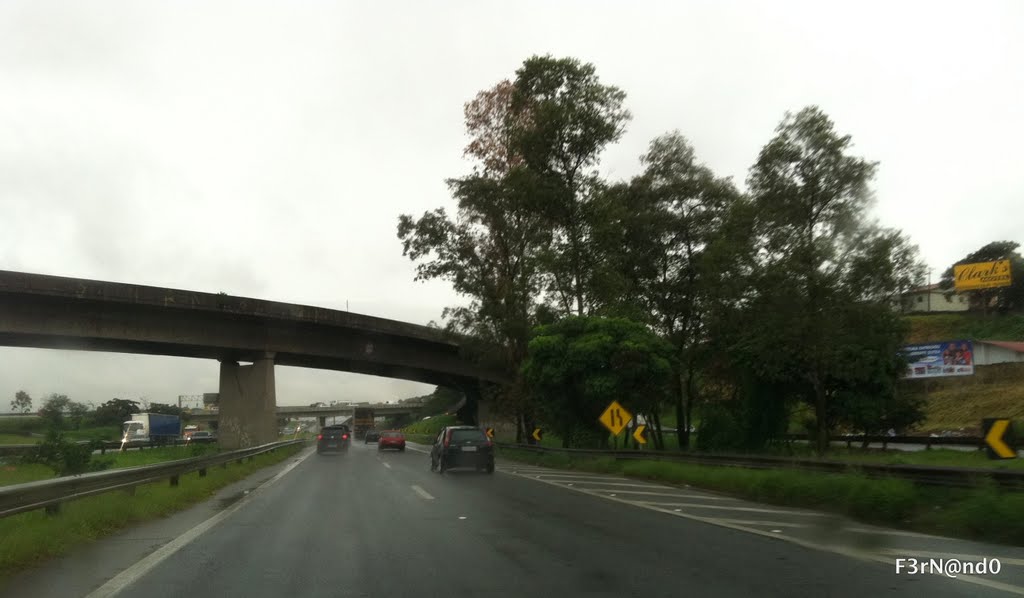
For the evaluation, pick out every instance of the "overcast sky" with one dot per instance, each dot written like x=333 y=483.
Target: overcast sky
x=266 y=149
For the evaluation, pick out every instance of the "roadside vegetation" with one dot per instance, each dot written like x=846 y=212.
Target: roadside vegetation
x=424 y=431
x=30 y=538
x=745 y=312
x=985 y=513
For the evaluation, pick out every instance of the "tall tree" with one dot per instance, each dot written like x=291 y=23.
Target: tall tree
x=667 y=219
x=1001 y=299
x=22 y=402
x=573 y=116
x=814 y=241
x=489 y=250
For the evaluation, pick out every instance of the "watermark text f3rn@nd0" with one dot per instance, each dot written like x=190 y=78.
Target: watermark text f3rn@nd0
x=947 y=567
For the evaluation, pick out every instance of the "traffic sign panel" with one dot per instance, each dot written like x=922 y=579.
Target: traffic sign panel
x=638 y=434
x=490 y=432
x=999 y=438
x=538 y=434
x=615 y=417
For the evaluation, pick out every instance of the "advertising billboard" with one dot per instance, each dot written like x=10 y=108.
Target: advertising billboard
x=982 y=275
x=946 y=358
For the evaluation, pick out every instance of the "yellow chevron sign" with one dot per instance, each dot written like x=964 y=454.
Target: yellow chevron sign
x=538 y=434
x=999 y=438
x=638 y=434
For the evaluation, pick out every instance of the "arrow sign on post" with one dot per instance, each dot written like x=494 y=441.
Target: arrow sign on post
x=615 y=418
x=638 y=434
x=999 y=438
x=538 y=434
x=490 y=432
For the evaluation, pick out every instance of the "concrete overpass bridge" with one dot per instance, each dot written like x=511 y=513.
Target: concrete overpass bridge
x=69 y=313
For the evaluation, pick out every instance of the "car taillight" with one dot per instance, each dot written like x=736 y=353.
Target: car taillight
x=319 y=436
x=344 y=436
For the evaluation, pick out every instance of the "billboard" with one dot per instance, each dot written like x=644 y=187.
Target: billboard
x=946 y=358
x=982 y=275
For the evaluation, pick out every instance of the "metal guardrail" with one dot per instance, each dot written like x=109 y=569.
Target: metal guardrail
x=927 y=441
x=934 y=475
x=49 y=494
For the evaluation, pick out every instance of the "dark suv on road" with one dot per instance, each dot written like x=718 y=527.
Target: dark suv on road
x=462 y=446
x=333 y=439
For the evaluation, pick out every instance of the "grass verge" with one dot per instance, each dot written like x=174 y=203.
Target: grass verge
x=985 y=513
x=19 y=473
x=30 y=538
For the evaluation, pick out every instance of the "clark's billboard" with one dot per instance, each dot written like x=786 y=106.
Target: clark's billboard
x=982 y=275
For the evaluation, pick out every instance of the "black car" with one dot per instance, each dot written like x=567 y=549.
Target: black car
x=371 y=436
x=462 y=446
x=333 y=439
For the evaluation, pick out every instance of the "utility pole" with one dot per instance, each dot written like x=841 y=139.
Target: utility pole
x=929 y=290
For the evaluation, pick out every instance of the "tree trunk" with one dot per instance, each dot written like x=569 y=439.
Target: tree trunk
x=691 y=398
x=659 y=438
x=821 y=444
x=682 y=429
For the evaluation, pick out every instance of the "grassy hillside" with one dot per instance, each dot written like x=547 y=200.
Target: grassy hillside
x=962 y=402
x=939 y=327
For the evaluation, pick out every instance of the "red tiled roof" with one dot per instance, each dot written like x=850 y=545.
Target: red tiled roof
x=1013 y=346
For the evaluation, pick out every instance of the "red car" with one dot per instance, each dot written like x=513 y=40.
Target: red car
x=391 y=439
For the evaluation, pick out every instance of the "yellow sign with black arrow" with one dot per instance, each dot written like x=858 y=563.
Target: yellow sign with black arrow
x=538 y=434
x=615 y=418
x=638 y=434
x=999 y=438
x=490 y=432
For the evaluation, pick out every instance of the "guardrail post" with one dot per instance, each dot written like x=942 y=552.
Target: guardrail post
x=202 y=472
x=174 y=480
x=53 y=509
x=130 y=491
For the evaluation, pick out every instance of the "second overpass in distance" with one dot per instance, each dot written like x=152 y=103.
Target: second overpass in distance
x=336 y=410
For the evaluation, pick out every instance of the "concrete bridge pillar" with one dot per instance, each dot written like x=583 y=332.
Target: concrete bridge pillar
x=322 y=421
x=469 y=412
x=248 y=404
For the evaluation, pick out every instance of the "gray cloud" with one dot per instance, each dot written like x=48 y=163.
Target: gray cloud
x=266 y=149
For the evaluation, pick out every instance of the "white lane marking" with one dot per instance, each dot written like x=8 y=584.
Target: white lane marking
x=669 y=494
x=724 y=508
x=848 y=552
x=766 y=523
x=132 y=574
x=607 y=483
x=462 y=516
x=423 y=493
x=418 y=450
x=386 y=464
x=899 y=532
